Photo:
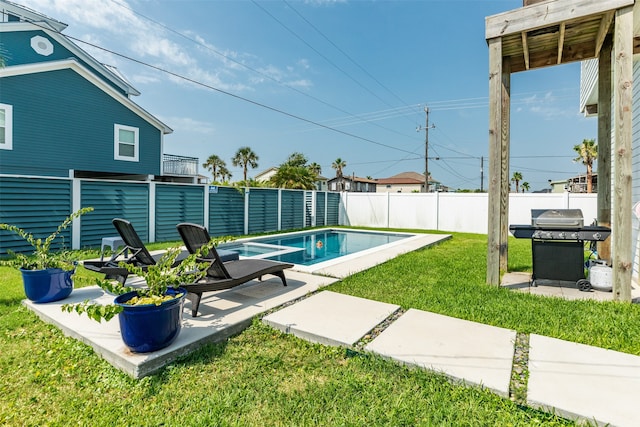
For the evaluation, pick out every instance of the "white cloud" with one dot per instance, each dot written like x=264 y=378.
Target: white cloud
x=114 y=25
x=186 y=125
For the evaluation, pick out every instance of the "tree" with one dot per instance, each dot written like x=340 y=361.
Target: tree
x=525 y=186
x=339 y=166
x=315 y=168
x=216 y=166
x=224 y=173
x=297 y=177
x=296 y=159
x=295 y=173
x=517 y=177
x=587 y=154
x=245 y=157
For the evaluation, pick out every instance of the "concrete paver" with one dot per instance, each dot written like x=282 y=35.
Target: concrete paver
x=581 y=381
x=467 y=351
x=520 y=281
x=331 y=318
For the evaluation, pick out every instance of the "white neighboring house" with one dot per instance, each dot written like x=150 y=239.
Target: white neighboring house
x=407 y=182
x=266 y=175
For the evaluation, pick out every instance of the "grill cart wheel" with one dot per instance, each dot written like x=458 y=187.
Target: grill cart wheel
x=584 y=285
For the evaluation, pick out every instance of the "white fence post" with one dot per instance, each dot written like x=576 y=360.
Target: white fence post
x=279 y=209
x=76 y=203
x=246 y=210
x=152 y=211
x=206 y=200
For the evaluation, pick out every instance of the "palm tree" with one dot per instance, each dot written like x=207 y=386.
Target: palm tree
x=517 y=177
x=525 y=186
x=215 y=165
x=315 y=168
x=224 y=173
x=587 y=154
x=297 y=177
x=245 y=157
x=339 y=165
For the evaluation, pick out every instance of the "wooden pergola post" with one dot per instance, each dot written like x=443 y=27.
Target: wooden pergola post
x=498 y=209
x=623 y=105
x=604 y=144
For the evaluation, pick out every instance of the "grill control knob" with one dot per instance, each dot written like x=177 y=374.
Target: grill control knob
x=574 y=236
x=561 y=235
x=597 y=236
x=536 y=234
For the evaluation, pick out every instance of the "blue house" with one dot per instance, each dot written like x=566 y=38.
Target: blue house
x=63 y=113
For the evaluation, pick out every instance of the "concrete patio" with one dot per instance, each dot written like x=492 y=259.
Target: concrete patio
x=221 y=314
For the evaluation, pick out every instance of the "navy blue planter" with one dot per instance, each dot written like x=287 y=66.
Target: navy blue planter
x=150 y=327
x=52 y=284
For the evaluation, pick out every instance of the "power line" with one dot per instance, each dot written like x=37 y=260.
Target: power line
x=320 y=54
x=265 y=75
x=224 y=92
x=345 y=54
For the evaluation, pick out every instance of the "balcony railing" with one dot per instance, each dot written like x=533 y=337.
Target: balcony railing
x=179 y=165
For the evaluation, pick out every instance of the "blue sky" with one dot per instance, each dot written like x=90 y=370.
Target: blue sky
x=332 y=79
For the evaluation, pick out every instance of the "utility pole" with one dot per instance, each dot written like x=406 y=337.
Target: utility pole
x=426 y=150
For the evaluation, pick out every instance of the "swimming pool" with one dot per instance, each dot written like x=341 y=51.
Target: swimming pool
x=314 y=247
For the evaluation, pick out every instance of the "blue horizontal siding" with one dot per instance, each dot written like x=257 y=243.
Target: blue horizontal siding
x=83 y=121
x=15 y=52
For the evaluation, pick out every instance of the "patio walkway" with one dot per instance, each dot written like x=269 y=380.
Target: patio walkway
x=577 y=381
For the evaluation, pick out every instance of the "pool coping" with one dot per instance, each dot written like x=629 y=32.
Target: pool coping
x=357 y=261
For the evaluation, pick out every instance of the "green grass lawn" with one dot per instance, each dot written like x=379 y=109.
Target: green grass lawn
x=265 y=378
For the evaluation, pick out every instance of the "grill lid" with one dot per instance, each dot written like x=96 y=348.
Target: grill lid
x=557 y=218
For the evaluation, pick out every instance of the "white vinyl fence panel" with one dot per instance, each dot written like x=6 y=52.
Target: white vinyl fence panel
x=461 y=212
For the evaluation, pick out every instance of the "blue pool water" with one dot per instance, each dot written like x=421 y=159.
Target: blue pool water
x=313 y=247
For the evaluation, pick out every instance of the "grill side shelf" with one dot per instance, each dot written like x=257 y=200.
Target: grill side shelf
x=589 y=233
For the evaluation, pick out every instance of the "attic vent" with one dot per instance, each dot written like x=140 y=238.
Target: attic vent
x=41 y=45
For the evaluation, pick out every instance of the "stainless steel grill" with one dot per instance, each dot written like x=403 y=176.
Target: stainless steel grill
x=557 y=244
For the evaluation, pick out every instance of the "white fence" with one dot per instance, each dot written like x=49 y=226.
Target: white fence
x=461 y=212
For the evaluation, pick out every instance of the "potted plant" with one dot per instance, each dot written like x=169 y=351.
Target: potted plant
x=150 y=318
x=46 y=276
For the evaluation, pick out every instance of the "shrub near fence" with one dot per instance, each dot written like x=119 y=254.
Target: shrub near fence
x=40 y=204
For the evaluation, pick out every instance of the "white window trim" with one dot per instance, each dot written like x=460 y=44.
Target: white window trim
x=116 y=143
x=8 y=127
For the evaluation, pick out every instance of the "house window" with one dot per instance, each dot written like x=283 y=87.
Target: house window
x=6 y=127
x=126 y=143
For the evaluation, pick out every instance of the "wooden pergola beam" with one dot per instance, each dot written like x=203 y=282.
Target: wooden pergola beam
x=546 y=14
